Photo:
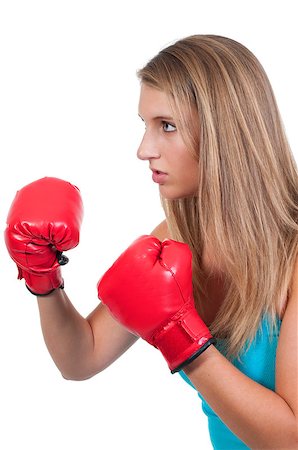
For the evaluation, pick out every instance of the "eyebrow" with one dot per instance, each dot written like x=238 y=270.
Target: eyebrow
x=165 y=117
x=160 y=117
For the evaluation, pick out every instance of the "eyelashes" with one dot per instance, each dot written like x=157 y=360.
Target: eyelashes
x=168 y=127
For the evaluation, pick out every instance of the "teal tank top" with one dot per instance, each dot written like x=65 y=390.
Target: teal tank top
x=258 y=363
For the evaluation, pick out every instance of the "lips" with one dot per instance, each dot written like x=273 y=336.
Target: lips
x=158 y=176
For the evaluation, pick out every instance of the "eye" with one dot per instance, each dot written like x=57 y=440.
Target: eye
x=168 y=127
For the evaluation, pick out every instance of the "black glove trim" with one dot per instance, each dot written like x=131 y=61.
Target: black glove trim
x=195 y=355
x=47 y=293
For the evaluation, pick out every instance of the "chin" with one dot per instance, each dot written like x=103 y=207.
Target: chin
x=169 y=194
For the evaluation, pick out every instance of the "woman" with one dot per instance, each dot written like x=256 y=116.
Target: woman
x=228 y=183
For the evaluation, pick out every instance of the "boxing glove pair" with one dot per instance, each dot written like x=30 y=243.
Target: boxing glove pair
x=148 y=289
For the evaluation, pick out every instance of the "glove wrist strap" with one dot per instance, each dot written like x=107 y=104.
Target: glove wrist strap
x=183 y=339
x=42 y=284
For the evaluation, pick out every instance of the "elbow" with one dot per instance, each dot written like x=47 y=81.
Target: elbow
x=296 y=438
x=294 y=441
x=294 y=433
x=69 y=377
x=79 y=375
x=290 y=438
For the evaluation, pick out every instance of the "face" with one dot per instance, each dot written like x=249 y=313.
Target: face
x=173 y=167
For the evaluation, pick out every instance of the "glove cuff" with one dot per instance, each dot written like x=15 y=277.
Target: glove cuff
x=183 y=339
x=42 y=284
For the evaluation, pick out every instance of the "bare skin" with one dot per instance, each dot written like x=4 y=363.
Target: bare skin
x=82 y=347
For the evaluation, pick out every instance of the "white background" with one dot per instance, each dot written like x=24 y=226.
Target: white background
x=68 y=108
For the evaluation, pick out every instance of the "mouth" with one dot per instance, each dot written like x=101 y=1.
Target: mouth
x=158 y=176
x=158 y=171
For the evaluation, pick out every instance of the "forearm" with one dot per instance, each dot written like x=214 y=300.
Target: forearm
x=68 y=336
x=257 y=415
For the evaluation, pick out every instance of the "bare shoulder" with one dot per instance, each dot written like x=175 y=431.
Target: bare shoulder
x=161 y=232
x=294 y=281
x=293 y=294
x=287 y=350
x=292 y=290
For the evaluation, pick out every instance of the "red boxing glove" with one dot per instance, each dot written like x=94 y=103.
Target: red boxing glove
x=43 y=221
x=149 y=290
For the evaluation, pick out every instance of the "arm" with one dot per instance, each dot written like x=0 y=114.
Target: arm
x=44 y=221
x=83 y=347
x=80 y=347
x=260 y=417
x=263 y=419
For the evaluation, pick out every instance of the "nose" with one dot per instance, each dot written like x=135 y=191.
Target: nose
x=148 y=149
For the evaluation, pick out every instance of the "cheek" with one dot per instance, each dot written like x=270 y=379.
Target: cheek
x=189 y=171
x=191 y=184
x=184 y=183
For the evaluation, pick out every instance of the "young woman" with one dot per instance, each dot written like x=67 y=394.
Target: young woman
x=215 y=287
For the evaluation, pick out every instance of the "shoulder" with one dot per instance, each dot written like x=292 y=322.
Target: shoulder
x=161 y=231
x=287 y=350
x=289 y=319
x=292 y=293
x=294 y=281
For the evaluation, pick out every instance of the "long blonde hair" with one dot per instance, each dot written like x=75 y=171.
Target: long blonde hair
x=246 y=206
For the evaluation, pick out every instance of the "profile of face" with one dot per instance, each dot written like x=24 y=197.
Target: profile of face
x=172 y=164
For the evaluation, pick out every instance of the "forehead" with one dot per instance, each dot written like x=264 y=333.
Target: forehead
x=153 y=102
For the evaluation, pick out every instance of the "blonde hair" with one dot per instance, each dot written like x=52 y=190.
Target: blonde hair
x=246 y=204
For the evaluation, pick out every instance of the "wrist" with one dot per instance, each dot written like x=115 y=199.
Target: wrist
x=201 y=363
